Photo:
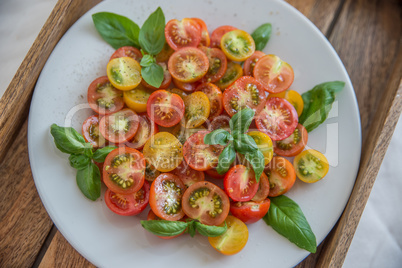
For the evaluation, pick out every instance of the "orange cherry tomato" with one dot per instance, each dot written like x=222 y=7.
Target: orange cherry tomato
x=205 y=40
x=164 y=108
x=294 y=144
x=281 y=176
x=188 y=64
x=217 y=64
x=184 y=33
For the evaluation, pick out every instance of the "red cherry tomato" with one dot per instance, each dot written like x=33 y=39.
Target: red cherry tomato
x=294 y=144
x=187 y=87
x=215 y=96
x=220 y=122
x=263 y=189
x=119 y=127
x=240 y=183
x=249 y=64
x=188 y=175
x=217 y=64
x=165 y=108
x=281 y=176
x=184 y=33
x=146 y=129
x=250 y=212
x=217 y=34
x=205 y=40
x=91 y=133
x=103 y=98
x=127 y=51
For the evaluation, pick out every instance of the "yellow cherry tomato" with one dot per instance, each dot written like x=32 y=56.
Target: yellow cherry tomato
x=233 y=240
x=136 y=99
x=197 y=109
x=293 y=97
x=233 y=72
x=124 y=73
x=237 y=45
x=310 y=166
x=264 y=143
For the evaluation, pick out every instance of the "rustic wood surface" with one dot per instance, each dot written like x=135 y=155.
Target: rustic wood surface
x=365 y=33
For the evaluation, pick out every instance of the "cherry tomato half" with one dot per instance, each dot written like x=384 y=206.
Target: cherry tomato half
x=124 y=170
x=237 y=45
x=250 y=212
x=294 y=144
x=146 y=129
x=311 y=166
x=206 y=202
x=127 y=51
x=264 y=144
x=249 y=64
x=167 y=78
x=164 y=108
x=197 y=109
x=182 y=133
x=165 y=54
x=293 y=97
x=103 y=98
x=215 y=96
x=240 y=183
x=188 y=64
x=188 y=175
x=124 y=73
x=220 y=122
x=281 y=176
x=263 y=189
x=91 y=133
x=186 y=87
x=151 y=173
x=184 y=33
x=205 y=40
x=217 y=64
x=137 y=98
x=119 y=127
x=217 y=34
x=233 y=72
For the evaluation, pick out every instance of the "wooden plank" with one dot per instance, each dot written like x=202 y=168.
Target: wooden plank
x=15 y=101
x=24 y=223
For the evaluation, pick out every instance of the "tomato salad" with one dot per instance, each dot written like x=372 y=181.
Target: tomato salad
x=206 y=139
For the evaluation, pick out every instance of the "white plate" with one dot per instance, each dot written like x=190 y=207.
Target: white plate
x=109 y=240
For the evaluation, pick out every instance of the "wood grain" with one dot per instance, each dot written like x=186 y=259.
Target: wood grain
x=24 y=223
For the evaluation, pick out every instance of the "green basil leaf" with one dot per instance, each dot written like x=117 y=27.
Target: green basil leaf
x=164 y=228
x=318 y=102
x=147 y=60
x=191 y=228
x=79 y=161
x=218 y=136
x=101 y=153
x=226 y=158
x=240 y=122
x=152 y=33
x=244 y=143
x=117 y=30
x=256 y=159
x=153 y=74
x=88 y=180
x=210 y=230
x=286 y=218
x=261 y=36
x=68 y=140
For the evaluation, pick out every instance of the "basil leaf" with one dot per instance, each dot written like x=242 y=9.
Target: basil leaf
x=256 y=159
x=68 y=140
x=286 y=218
x=218 y=136
x=318 y=102
x=191 y=228
x=153 y=74
x=117 y=30
x=147 y=60
x=226 y=158
x=164 y=228
x=240 y=122
x=88 y=180
x=244 y=143
x=152 y=33
x=79 y=161
x=100 y=154
x=210 y=230
x=261 y=36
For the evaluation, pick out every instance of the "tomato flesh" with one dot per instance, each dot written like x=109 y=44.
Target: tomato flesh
x=263 y=189
x=197 y=109
x=240 y=183
x=91 y=133
x=237 y=45
x=103 y=98
x=250 y=212
x=184 y=33
x=188 y=64
x=281 y=176
x=294 y=144
x=220 y=122
x=146 y=129
x=205 y=39
x=137 y=98
x=311 y=166
x=164 y=108
x=124 y=73
x=119 y=127
x=249 y=64
x=217 y=64
x=215 y=96
x=233 y=72
x=217 y=34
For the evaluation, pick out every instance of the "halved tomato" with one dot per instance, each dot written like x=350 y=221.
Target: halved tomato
x=281 y=176
x=278 y=119
x=187 y=87
x=197 y=109
x=184 y=33
x=263 y=189
x=165 y=54
x=103 y=98
x=217 y=34
x=91 y=133
x=127 y=51
x=182 y=133
x=205 y=40
x=151 y=173
x=217 y=64
x=249 y=64
x=293 y=97
x=245 y=92
x=206 y=202
x=188 y=175
x=237 y=45
x=311 y=166
x=220 y=122
x=146 y=129
x=188 y=64
x=124 y=73
x=250 y=212
x=215 y=96
x=273 y=73
x=137 y=98
x=167 y=78
x=164 y=108
x=163 y=151
x=264 y=144
x=124 y=170
x=165 y=198
x=201 y=156
x=130 y=204
x=233 y=72
x=152 y=217
x=119 y=127
x=240 y=183
x=294 y=144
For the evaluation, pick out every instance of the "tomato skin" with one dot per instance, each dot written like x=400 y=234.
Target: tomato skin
x=237 y=45
x=128 y=164
x=294 y=144
x=110 y=126
x=167 y=78
x=217 y=64
x=165 y=108
x=263 y=189
x=184 y=33
x=152 y=217
x=217 y=34
x=137 y=201
x=146 y=129
x=311 y=166
x=127 y=51
x=215 y=97
x=188 y=175
x=166 y=189
x=102 y=94
x=240 y=183
x=200 y=197
x=91 y=133
x=250 y=212
x=249 y=64
x=281 y=176
x=205 y=39
x=188 y=64
x=278 y=119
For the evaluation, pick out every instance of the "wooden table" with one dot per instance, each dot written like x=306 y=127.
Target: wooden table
x=365 y=33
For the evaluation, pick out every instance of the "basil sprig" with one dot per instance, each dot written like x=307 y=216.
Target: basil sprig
x=120 y=31
x=286 y=218
x=318 y=102
x=172 y=228
x=261 y=36
x=237 y=141
x=69 y=141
